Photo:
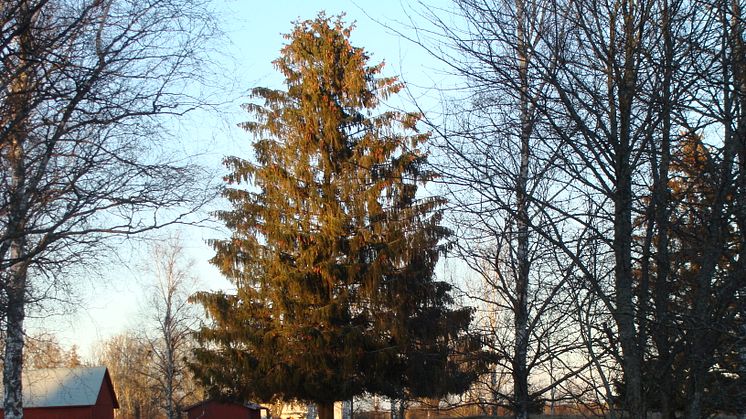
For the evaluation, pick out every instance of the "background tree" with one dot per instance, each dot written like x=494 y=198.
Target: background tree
x=86 y=88
x=497 y=158
x=148 y=366
x=333 y=252
x=612 y=90
x=44 y=351
x=128 y=358
x=170 y=342
x=615 y=89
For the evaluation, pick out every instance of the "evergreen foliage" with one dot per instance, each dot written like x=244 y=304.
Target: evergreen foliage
x=332 y=251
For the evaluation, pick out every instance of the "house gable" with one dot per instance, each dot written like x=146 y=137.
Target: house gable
x=68 y=393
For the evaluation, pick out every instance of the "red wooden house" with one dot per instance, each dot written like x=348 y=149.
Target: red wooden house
x=212 y=409
x=68 y=393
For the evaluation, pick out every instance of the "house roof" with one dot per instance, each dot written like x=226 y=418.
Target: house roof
x=59 y=387
x=248 y=405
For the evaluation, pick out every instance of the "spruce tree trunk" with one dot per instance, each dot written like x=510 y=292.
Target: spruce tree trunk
x=325 y=410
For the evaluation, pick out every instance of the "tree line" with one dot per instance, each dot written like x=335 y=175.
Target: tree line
x=148 y=363
x=594 y=162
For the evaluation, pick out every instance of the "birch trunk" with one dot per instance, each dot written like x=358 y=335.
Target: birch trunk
x=740 y=72
x=15 y=288
x=170 y=342
x=347 y=409
x=311 y=411
x=394 y=409
x=742 y=360
x=16 y=274
x=13 y=367
x=15 y=278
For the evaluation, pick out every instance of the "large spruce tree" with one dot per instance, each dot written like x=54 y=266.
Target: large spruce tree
x=332 y=251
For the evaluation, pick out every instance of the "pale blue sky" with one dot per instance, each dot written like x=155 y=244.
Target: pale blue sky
x=114 y=302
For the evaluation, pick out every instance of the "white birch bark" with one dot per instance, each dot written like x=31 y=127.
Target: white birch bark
x=347 y=409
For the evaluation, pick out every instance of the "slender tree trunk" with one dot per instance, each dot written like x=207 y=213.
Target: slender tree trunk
x=741 y=298
x=13 y=359
x=16 y=276
x=624 y=313
x=170 y=382
x=625 y=79
x=493 y=381
x=347 y=409
x=742 y=359
x=740 y=73
x=520 y=367
x=15 y=288
x=398 y=408
x=168 y=338
x=661 y=198
x=701 y=329
x=698 y=363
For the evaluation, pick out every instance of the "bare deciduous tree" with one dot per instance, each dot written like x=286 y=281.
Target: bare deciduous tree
x=86 y=91
x=44 y=351
x=128 y=359
x=607 y=92
x=496 y=159
x=171 y=342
